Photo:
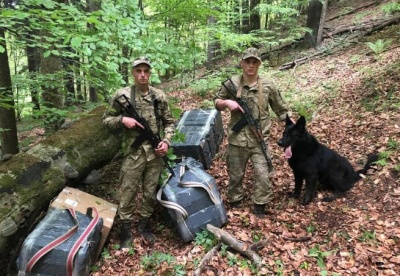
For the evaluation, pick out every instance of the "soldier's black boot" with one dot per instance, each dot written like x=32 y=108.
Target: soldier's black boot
x=126 y=234
x=259 y=210
x=145 y=230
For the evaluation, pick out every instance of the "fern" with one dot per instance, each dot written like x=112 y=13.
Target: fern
x=379 y=46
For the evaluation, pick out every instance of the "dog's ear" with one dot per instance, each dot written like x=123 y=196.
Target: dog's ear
x=301 y=123
x=288 y=120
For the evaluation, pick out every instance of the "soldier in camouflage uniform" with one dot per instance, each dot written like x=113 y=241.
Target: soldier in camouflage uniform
x=143 y=165
x=243 y=145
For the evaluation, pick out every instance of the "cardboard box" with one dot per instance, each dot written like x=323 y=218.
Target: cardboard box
x=80 y=201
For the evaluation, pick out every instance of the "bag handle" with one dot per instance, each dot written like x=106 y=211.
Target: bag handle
x=43 y=251
x=75 y=248
x=80 y=240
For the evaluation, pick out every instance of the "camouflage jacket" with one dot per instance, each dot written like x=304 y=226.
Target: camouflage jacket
x=270 y=98
x=158 y=115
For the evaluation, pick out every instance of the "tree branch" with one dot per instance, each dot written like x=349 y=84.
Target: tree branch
x=242 y=248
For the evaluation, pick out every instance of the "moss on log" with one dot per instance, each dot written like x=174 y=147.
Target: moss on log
x=30 y=180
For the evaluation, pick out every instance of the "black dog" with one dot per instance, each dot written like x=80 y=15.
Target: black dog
x=314 y=162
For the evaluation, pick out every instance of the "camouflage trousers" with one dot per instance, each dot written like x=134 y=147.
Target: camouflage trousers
x=237 y=159
x=140 y=169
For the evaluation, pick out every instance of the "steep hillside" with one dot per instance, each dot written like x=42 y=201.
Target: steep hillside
x=351 y=99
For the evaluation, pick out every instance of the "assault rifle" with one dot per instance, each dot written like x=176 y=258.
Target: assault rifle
x=249 y=120
x=145 y=133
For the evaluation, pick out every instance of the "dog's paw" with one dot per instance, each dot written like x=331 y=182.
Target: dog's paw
x=328 y=199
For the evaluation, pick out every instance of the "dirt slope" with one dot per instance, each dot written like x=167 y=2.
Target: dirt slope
x=356 y=112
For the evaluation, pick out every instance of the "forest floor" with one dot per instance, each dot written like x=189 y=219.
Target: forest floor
x=354 y=98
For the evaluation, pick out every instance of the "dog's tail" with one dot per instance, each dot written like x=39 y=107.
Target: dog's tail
x=371 y=159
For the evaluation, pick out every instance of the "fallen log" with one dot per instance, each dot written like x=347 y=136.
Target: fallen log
x=365 y=30
x=30 y=180
x=367 y=5
x=248 y=251
x=299 y=61
x=369 y=26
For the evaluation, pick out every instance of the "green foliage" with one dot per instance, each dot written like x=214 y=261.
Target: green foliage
x=279 y=266
x=207 y=104
x=379 y=46
x=224 y=250
x=316 y=252
x=175 y=110
x=178 y=137
x=311 y=228
x=207 y=86
x=51 y=115
x=391 y=8
x=116 y=246
x=383 y=157
x=367 y=236
x=94 y=268
x=303 y=103
x=116 y=26
x=393 y=144
x=257 y=236
x=171 y=157
x=174 y=34
x=150 y=262
x=105 y=254
x=206 y=239
x=232 y=259
x=234 y=41
x=26 y=142
x=355 y=59
x=304 y=265
x=154 y=261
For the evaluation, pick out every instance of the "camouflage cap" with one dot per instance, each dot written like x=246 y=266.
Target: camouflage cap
x=141 y=60
x=251 y=52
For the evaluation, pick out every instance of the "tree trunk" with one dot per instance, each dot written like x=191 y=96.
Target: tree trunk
x=237 y=15
x=33 y=67
x=255 y=23
x=322 y=22
x=124 y=68
x=213 y=44
x=68 y=67
x=52 y=96
x=30 y=180
x=93 y=5
x=315 y=13
x=8 y=122
x=252 y=21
